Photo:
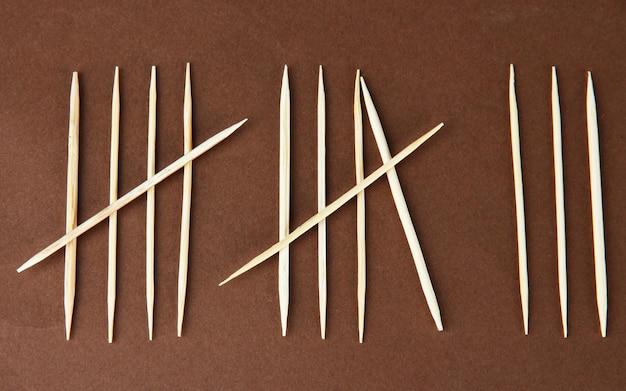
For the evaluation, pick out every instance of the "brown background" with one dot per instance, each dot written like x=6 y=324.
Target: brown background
x=424 y=62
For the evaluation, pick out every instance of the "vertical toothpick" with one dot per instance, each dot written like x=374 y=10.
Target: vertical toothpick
x=519 y=198
x=186 y=208
x=596 y=205
x=72 y=205
x=403 y=210
x=283 y=201
x=150 y=203
x=321 y=199
x=560 y=200
x=360 y=205
x=115 y=137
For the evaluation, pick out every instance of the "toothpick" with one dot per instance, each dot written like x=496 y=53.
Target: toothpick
x=283 y=202
x=560 y=200
x=72 y=205
x=596 y=205
x=115 y=140
x=331 y=208
x=186 y=213
x=321 y=199
x=150 y=203
x=403 y=210
x=519 y=199
x=130 y=196
x=360 y=205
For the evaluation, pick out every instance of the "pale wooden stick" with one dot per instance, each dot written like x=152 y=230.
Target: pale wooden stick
x=331 y=208
x=403 y=210
x=321 y=200
x=115 y=141
x=72 y=205
x=596 y=205
x=130 y=196
x=519 y=199
x=150 y=203
x=283 y=202
x=186 y=207
x=360 y=205
x=560 y=200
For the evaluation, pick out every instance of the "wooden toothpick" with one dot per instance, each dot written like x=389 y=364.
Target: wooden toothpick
x=360 y=205
x=596 y=206
x=321 y=200
x=150 y=203
x=71 y=213
x=130 y=196
x=560 y=200
x=186 y=207
x=519 y=198
x=115 y=137
x=403 y=210
x=283 y=201
x=331 y=208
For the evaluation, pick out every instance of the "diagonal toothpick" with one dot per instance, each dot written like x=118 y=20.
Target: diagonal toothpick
x=360 y=205
x=115 y=141
x=283 y=202
x=332 y=207
x=560 y=200
x=403 y=210
x=130 y=196
x=186 y=208
x=321 y=199
x=150 y=203
x=71 y=215
x=519 y=199
x=596 y=205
